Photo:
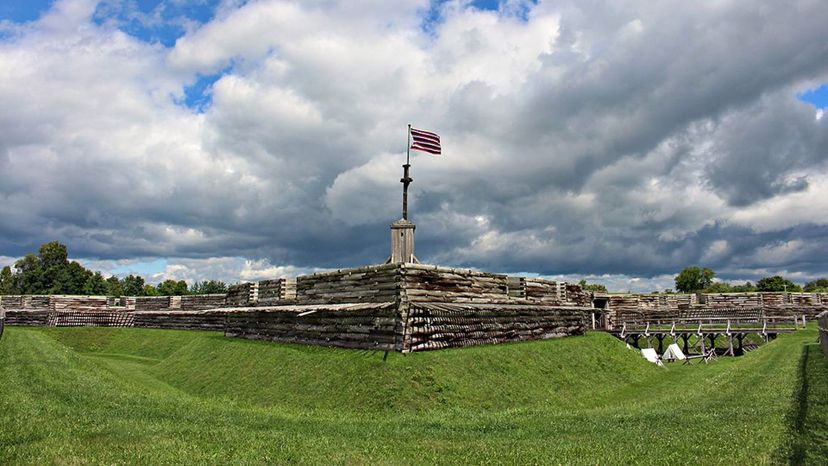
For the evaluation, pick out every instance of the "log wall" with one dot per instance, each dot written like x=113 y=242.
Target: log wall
x=242 y=294
x=423 y=283
x=202 y=302
x=623 y=307
x=78 y=303
x=363 y=285
x=276 y=291
x=27 y=317
x=432 y=326
x=822 y=321
x=152 y=303
x=365 y=326
x=181 y=320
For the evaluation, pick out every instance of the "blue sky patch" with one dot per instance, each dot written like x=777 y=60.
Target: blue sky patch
x=518 y=9
x=817 y=97
x=198 y=96
x=23 y=11
x=156 y=20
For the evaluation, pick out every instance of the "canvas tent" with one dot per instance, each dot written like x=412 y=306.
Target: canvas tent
x=651 y=355
x=673 y=353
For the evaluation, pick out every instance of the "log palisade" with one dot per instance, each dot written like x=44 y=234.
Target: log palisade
x=398 y=307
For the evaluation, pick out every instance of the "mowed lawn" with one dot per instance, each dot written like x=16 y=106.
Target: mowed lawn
x=96 y=395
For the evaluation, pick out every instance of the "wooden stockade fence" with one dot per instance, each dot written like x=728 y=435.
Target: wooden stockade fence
x=822 y=322
x=90 y=319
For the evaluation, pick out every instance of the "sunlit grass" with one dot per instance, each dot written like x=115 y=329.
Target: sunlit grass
x=94 y=395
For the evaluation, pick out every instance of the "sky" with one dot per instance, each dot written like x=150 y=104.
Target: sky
x=240 y=140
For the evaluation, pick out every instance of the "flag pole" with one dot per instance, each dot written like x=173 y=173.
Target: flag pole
x=406 y=180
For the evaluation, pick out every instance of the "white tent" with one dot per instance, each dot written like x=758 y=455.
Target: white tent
x=651 y=355
x=673 y=353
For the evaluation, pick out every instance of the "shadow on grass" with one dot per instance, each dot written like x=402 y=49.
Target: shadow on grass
x=808 y=418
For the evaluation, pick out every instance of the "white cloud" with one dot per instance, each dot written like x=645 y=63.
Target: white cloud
x=590 y=138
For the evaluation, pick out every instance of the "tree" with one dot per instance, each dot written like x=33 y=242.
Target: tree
x=53 y=254
x=746 y=288
x=719 y=287
x=172 y=288
x=150 y=290
x=114 y=287
x=818 y=285
x=6 y=281
x=594 y=287
x=777 y=283
x=95 y=285
x=208 y=287
x=29 y=276
x=694 y=279
x=133 y=285
x=68 y=278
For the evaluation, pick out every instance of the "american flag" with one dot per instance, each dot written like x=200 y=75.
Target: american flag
x=425 y=141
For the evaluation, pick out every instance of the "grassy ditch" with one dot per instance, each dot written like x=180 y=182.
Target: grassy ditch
x=95 y=395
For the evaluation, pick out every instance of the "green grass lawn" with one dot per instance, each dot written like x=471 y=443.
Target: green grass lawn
x=95 y=395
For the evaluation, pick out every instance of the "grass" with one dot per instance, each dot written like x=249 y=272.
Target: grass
x=96 y=395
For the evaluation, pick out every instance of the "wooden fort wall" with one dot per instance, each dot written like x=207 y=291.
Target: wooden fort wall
x=438 y=325
x=362 y=325
x=623 y=307
x=375 y=284
x=823 y=331
x=181 y=319
x=202 y=302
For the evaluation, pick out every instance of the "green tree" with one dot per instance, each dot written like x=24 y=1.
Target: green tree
x=54 y=265
x=95 y=285
x=208 y=287
x=68 y=278
x=133 y=285
x=172 y=288
x=746 y=288
x=719 y=287
x=594 y=287
x=819 y=285
x=694 y=279
x=777 y=283
x=7 y=281
x=150 y=290
x=29 y=276
x=114 y=287
x=53 y=254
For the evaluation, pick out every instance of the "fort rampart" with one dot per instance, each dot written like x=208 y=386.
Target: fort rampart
x=393 y=307
x=617 y=308
x=399 y=307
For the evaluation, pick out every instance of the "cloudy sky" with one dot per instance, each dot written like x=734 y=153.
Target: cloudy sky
x=618 y=141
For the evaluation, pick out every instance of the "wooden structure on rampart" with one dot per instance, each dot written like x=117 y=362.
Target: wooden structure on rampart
x=392 y=307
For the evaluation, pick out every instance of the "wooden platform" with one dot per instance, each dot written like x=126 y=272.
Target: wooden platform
x=706 y=330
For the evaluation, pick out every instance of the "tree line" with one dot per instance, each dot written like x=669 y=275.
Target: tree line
x=701 y=280
x=51 y=272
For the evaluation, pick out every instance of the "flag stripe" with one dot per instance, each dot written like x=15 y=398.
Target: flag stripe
x=426 y=144
x=424 y=133
x=425 y=141
x=425 y=138
x=429 y=150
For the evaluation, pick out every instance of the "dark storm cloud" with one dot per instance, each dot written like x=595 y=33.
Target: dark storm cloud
x=628 y=138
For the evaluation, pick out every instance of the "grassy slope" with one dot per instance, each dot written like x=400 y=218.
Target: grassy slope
x=108 y=396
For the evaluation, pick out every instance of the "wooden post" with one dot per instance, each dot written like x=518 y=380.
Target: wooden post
x=402 y=242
